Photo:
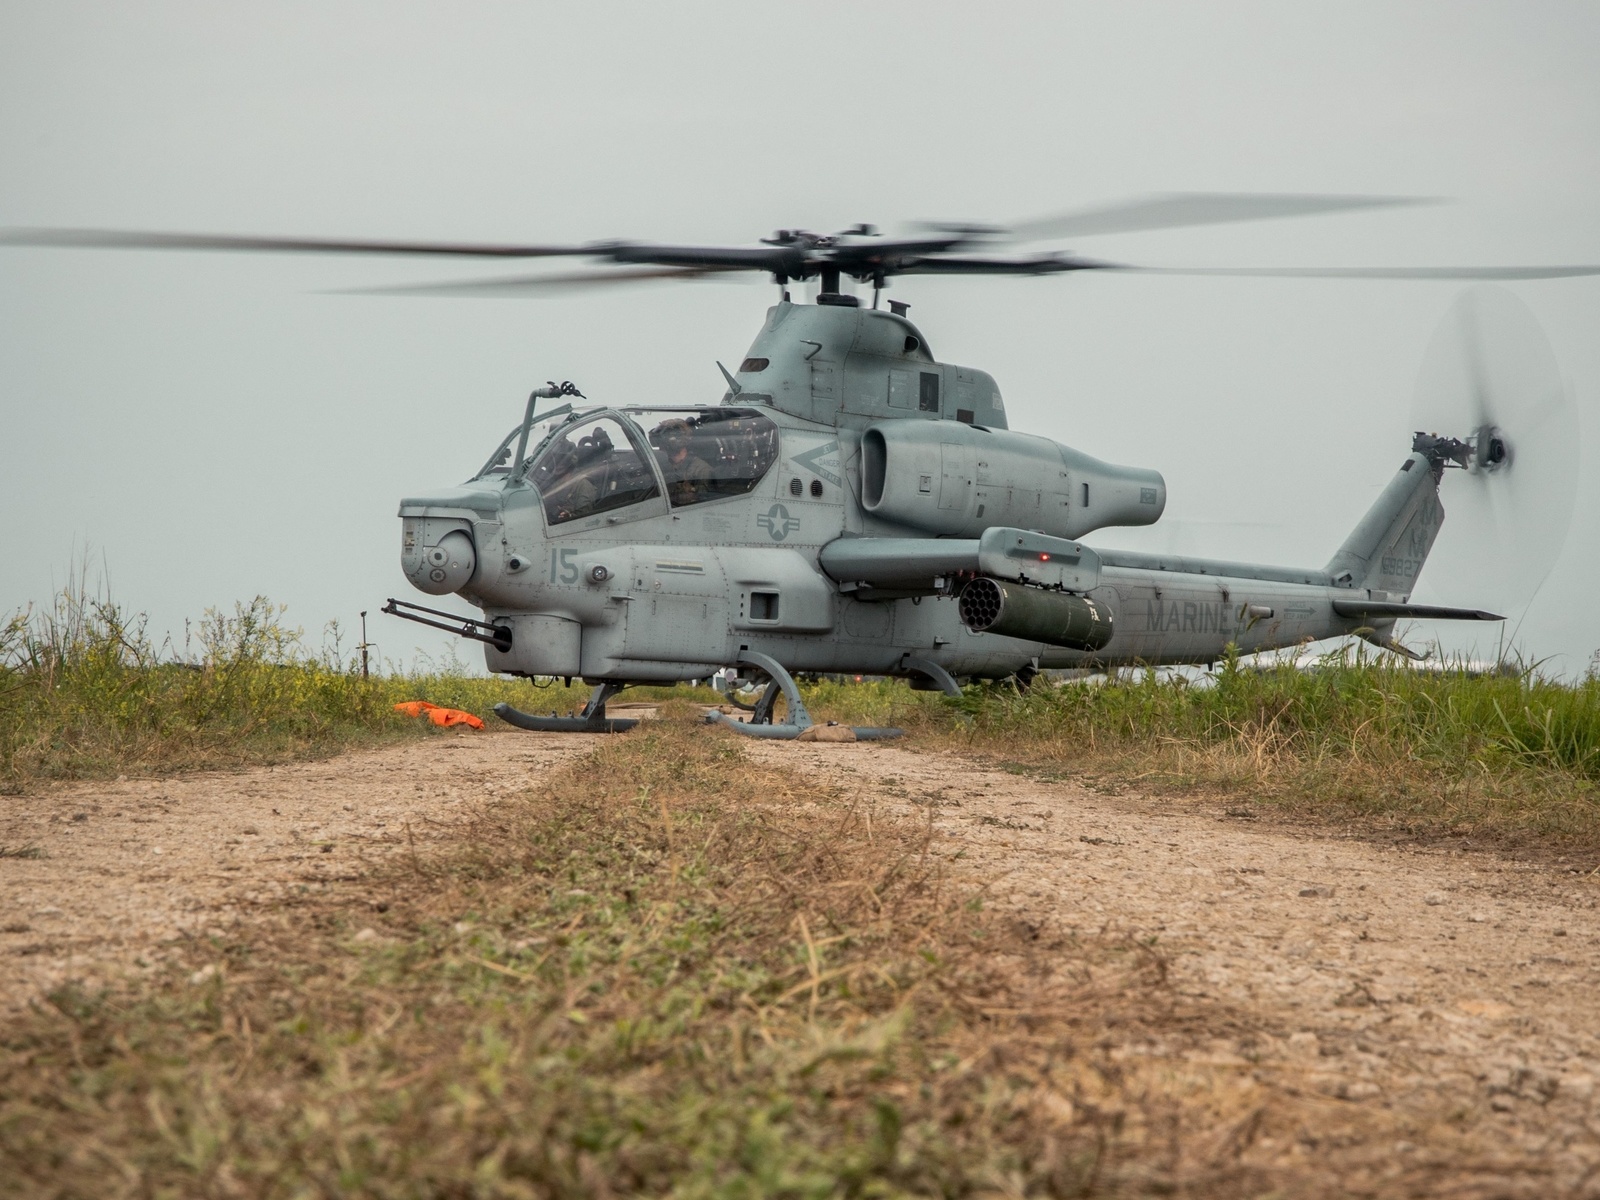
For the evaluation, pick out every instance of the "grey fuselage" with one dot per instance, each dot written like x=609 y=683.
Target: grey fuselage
x=653 y=592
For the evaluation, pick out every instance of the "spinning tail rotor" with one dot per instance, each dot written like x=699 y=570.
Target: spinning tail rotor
x=1492 y=410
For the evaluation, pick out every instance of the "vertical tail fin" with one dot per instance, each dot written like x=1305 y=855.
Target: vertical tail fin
x=1385 y=552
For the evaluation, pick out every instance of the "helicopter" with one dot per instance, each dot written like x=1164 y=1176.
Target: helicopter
x=851 y=504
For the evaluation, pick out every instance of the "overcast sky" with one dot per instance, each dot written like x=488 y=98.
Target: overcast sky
x=216 y=426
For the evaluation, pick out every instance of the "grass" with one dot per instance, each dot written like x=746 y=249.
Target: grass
x=1506 y=757
x=664 y=971
x=85 y=692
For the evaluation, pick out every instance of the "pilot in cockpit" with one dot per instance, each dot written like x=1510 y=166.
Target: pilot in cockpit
x=687 y=474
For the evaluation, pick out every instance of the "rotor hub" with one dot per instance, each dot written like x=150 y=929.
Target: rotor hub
x=1485 y=450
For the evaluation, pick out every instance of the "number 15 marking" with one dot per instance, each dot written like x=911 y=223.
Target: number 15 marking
x=561 y=561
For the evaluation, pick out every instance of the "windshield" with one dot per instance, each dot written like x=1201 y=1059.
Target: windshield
x=589 y=468
x=500 y=461
x=708 y=453
x=499 y=464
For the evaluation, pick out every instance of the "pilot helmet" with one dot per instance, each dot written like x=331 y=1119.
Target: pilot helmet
x=672 y=433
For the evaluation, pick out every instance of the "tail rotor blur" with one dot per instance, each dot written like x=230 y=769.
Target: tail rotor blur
x=1491 y=385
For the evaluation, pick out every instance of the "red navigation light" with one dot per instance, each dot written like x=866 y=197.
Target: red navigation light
x=1044 y=558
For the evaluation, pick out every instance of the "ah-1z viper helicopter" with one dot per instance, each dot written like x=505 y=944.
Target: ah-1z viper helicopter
x=854 y=505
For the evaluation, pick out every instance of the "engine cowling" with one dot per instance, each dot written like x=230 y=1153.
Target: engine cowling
x=957 y=480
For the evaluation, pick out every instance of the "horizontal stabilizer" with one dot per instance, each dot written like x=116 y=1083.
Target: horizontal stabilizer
x=1383 y=610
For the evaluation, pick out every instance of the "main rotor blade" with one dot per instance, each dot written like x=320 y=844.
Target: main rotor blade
x=113 y=239
x=1446 y=273
x=774 y=259
x=1043 y=264
x=777 y=259
x=534 y=285
x=1179 y=209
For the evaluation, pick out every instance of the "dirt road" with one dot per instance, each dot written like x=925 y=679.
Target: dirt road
x=1456 y=986
x=137 y=872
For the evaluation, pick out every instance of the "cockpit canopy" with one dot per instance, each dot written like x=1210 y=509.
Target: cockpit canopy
x=591 y=467
x=588 y=463
x=708 y=453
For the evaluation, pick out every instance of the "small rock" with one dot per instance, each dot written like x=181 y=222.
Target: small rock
x=1502 y=1104
x=49 y=910
x=156 y=850
x=209 y=971
x=1478 y=918
x=1304 y=1044
x=1434 y=898
x=827 y=733
x=368 y=934
x=463 y=926
x=1533 y=1084
x=1318 y=891
x=1561 y=933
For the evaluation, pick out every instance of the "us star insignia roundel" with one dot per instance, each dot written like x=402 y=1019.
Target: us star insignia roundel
x=777 y=521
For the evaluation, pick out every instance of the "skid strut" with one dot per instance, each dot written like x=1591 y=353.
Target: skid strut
x=928 y=669
x=780 y=682
x=592 y=718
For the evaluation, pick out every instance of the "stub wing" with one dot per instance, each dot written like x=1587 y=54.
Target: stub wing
x=925 y=565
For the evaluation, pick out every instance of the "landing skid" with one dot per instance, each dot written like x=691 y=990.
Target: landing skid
x=593 y=718
x=761 y=724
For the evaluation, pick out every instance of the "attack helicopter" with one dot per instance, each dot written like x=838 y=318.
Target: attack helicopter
x=852 y=504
